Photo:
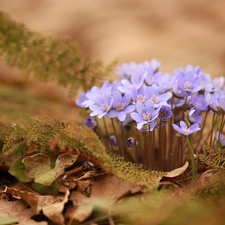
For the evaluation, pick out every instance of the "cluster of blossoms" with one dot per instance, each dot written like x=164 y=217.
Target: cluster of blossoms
x=145 y=96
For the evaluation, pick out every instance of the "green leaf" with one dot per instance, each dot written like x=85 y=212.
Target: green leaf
x=53 y=189
x=38 y=167
x=12 y=154
x=18 y=171
x=7 y=220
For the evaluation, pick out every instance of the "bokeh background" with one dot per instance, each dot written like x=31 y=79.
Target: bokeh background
x=175 y=32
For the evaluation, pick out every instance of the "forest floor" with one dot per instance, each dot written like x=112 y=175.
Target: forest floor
x=176 y=34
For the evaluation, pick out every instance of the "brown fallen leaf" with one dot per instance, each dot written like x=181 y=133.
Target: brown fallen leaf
x=29 y=197
x=35 y=201
x=79 y=213
x=54 y=211
x=106 y=190
x=177 y=172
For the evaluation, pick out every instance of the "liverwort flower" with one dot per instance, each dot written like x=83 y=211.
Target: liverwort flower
x=130 y=142
x=112 y=140
x=189 y=82
x=194 y=116
x=102 y=106
x=164 y=114
x=80 y=101
x=126 y=70
x=151 y=77
x=153 y=63
x=212 y=100
x=126 y=86
x=90 y=122
x=197 y=101
x=120 y=106
x=184 y=130
x=157 y=99
x=220 y=137
x=146 y=113
x=95 y=93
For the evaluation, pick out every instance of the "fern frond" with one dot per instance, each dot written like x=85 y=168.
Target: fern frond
x=42 y=132
x=13 y=135
x=215 y=157
x=49 y=134
x=47 y=57
x=85 y=141
x=134 y=174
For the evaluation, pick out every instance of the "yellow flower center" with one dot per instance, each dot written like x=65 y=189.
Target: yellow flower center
x=104 y=106
x=120 y=107
x=146 y=116
x=187 y=85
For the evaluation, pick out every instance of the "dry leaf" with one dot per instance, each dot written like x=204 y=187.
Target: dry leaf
x=30 y=198
x=35 y=201
x=107 y=188
x=54 y=211
x=177 y=172
x=79 y=213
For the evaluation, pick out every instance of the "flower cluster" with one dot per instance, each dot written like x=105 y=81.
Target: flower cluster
x=158 y=103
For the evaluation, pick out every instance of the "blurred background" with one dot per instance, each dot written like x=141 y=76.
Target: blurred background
x=175 y=32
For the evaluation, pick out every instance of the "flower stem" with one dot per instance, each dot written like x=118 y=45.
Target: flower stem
x=117 y=140
x=124 y=149
x=107 y=133
x=193 y=165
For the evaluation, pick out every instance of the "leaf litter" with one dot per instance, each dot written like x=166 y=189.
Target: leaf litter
x=90 y=191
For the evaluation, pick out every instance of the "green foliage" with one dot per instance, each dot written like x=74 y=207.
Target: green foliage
x=38 y=166
x=11 y=135
x=53 y=137
x=214 y=157
x=132 y=173
x=42 y=132
x=47 y=57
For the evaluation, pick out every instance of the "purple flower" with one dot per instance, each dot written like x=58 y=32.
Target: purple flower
x=189 y=82
x=95 y=93
x=151 y=77
x=102 y=106
x=126 y=70
x=157 y=99
x=220 y=137
x=184 y=130
x=153 y=63
x=146 y=113
x=194 y=116
x=90 y=122
x=139 y=95
x=120 y=106
x=164 y=114
x=166 y=83
x=80 y=101
x=127 y=86
x=213 y=100
x=130 y=142
x=112 y=140
x=197 y=101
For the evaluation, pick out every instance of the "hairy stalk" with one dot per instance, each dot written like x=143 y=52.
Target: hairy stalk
x=124 y=148
x=150 y=150
x=193 y=165
x=201 y=131
x=107 y=133
x=117 y=139
x=160 y=150
x=145 y=155
x=212 y=127
x=221 y=125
